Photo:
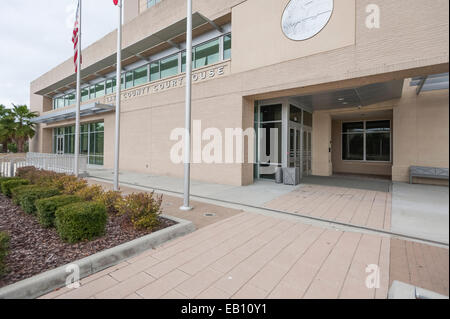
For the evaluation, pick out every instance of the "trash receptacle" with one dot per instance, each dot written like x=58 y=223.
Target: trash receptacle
x=291 y=176
x=279 y=175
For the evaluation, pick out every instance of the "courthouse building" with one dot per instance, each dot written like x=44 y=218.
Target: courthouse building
x=349 y=86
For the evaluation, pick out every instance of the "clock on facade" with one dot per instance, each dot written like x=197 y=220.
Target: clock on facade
x=303 y=19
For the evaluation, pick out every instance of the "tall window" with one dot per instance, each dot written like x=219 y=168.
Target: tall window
x=91 y=141
x=366 y=141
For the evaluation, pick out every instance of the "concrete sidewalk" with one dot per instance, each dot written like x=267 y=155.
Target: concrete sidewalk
x=421 y=211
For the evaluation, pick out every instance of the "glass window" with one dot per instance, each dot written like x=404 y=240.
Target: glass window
x=140 y=75
x=183 y=60
x=71 y=99
x=92 y=92
x=169 y=66
x=227 y=47
x=353 y=147
x=307 y=119
x=84 y=94
x=122 y=82
x=109 y=86
x=151 y=3
x=270 y=113
x=154 y=71
x=207 y=53
x=374 y=136
x=295 y=114
x=100 y=89
x=129 y=80
x=378 y=147
x=355 y=127
x=60 y=102
x=378 y=126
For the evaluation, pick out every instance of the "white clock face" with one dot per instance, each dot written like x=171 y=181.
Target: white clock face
x=303 y=19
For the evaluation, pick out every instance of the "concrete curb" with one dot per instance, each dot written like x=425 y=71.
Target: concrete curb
x=53 y=279
x=401 y=290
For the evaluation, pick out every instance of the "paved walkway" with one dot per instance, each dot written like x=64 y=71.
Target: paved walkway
x=248 y=256
x=420 y=265
x=421 y=211
x=357 y=206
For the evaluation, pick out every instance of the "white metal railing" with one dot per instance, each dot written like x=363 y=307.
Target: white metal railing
x=60 y=163
x=9 y=165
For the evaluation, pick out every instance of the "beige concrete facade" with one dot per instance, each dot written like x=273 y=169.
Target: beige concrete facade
x=412 y=41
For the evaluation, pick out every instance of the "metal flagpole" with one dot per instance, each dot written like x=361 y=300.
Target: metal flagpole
x=187 y=133
x=77 y=116
x=118 y=89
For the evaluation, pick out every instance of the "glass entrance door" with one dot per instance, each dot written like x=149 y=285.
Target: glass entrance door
x=60 y=144
x=306 y=153
x=295 y=147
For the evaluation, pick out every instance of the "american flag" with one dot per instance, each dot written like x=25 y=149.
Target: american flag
x=75 y=37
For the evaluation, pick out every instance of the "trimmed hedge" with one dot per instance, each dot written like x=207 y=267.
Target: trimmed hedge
x=6 y=179
x=16 y=192
x=47 y=207
x=4 y=246
x=7 y=186
x=28 y=196
x=81 y=221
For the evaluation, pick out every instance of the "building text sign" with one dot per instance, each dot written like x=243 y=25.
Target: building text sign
x=174 y=82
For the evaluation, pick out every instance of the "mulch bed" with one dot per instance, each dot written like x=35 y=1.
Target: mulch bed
x=34 y=249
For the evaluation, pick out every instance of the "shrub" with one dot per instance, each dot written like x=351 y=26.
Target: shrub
x=46 y=208
x=6 y=179
x=69 y=184
x=39 y=177
x=110 y=199
x=141 y=209
x=16 y=192
x=9 y=185
x=4 y=246
x=81 y=221
x=28 y=197
x=88 y=193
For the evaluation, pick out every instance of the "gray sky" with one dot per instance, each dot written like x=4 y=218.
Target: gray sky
x=36 y=35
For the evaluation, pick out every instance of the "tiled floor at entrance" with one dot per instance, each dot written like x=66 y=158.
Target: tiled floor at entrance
x=248 y=256
x=361 y=207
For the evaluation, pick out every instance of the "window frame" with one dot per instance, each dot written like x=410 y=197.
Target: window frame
x=364 y=133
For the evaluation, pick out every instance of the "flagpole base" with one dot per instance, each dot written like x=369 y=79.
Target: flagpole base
x=185 y=208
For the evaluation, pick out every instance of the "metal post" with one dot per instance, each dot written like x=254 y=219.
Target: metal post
x=77 y=116
x=187 y=133
x=118 y=89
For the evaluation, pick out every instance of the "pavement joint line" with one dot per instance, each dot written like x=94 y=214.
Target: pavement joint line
x=321 y=221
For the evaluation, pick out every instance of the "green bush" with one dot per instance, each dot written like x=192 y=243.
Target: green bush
x=16 y=192
x=6 y=179
x=4 y=246
x=141 y=209
x=29 y=195
x=81 y=221
x=47 y=207
x=9 y=185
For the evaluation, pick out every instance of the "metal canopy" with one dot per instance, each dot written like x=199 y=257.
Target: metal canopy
x=85 y=110
x=431 y=82
x=163 y=36
x=353 y=97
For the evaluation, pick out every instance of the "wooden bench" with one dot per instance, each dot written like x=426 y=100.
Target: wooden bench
x=427 y=172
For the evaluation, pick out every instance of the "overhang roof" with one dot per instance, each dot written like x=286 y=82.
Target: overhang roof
x=66 y=114
x=162 y=36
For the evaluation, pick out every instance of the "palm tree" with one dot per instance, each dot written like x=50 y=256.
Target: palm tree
x=24 y=128
x=7 y=127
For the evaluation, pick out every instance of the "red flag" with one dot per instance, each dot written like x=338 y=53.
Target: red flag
x=116 y=2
